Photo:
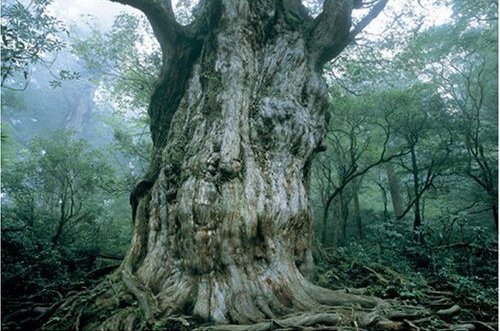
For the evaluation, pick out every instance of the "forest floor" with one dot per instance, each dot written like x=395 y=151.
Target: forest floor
x=445 y=309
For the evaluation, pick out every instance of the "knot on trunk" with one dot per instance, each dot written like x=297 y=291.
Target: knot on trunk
x=213 y=163
x=230 y=168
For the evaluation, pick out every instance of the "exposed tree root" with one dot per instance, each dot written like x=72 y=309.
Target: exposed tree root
x=123 y=303
x=300 y=320
x=147 y=301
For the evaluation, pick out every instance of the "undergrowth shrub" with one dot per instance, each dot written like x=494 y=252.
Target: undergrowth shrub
x=388 y=262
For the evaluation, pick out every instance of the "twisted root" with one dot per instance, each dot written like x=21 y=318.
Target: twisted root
x=123 y=303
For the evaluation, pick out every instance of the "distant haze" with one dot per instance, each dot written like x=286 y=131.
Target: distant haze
x=70 y=11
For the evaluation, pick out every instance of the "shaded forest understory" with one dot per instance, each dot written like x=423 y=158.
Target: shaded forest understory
x=435 y=298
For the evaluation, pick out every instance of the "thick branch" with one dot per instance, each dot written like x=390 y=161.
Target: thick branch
x=330 y=33
x=294 y=10
x=331 y=30
x=205 y=17
x=161 y=16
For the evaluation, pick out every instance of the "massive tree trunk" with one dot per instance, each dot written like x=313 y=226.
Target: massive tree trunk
x=223 y=227
x=226 y=227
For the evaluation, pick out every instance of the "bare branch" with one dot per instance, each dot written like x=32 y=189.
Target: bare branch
x=332 y=32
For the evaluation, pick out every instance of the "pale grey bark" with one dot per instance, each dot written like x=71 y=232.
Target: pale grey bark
x=236 y=234
x=80 y=111
x=226 y=228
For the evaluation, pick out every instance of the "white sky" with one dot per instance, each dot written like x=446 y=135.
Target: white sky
x=69 y=11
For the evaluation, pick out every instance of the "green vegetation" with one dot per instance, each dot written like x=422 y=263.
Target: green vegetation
x=428 y=124
x=30 y=37
x=60 y=203
x=405 y=193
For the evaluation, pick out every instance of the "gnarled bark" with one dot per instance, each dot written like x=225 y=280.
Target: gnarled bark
x=228 y=214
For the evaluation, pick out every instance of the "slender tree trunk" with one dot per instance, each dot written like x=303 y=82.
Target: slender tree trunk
x=324 y=223
x=337 y=224
x=395 y=189
x=492 y=191
x=344 y=204
x=384 y=200
x=422 y=210
x=30 y=222
x=357 y=212
x=494 y=209
x=60 y=223
x=340 y=221
x=417 y=221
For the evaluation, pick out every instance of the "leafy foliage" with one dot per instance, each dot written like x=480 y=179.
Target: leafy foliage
x=29 y=36
x=54 y=204
x=436 y=87
x=124 y=61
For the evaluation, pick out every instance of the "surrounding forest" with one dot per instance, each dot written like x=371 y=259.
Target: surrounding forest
x=397 y=171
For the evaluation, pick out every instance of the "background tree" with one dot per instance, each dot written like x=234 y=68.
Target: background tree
x=29 y=36
x=361 y=137
x=458 y=228
x=124 y=62
x=395 y=190
x=422 y=124
x=463 y=65
x=53 y=206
